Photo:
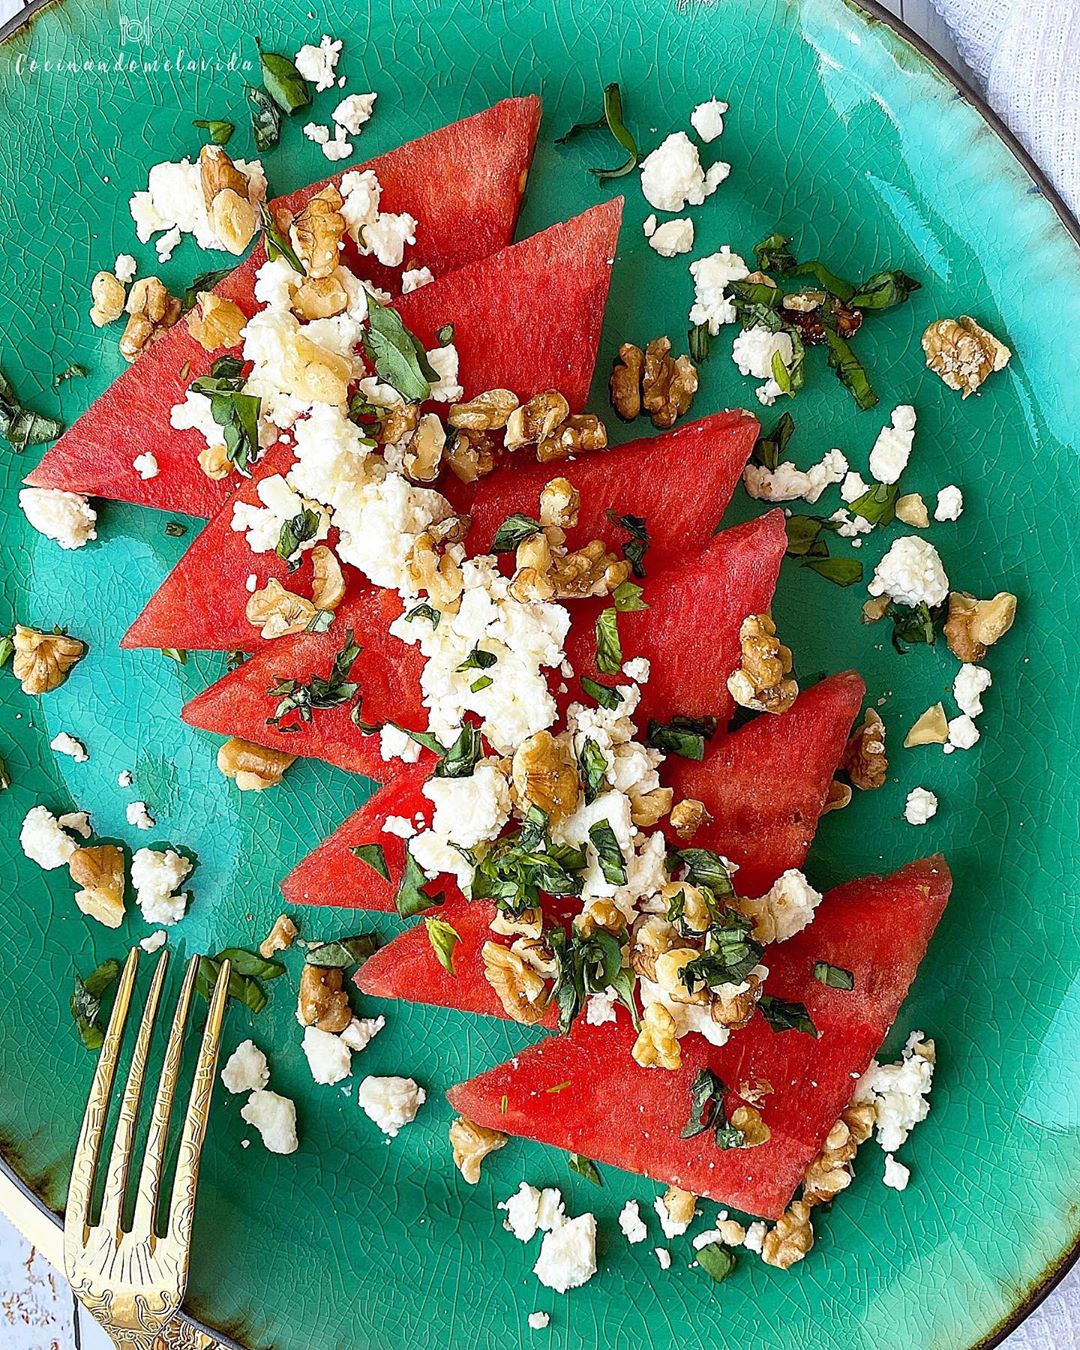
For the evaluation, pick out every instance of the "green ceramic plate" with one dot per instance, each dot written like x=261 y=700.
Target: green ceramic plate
x=842 y=133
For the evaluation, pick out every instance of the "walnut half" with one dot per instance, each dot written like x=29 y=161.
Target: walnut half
x=521 y=991
x=252 y=767
x=657 y=1046
x=791 y=1239
x=151 y=310
x=280 y=938
x=471 y=1144
x=763 y=680
x=973 y=625
x=864 y=760
x=963 y=353
x=107 y=294
x=42 y=661
x=322 y=1001
x=543 y=774
x=215 y=323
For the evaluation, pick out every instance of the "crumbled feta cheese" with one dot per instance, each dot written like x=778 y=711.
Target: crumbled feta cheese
x=327 y=1055
x=168 y=243
x=353 y=111
x=395 y=744
x=402 y=826
x=391 y=1102
x=707 y=119
x=156 y=875
x=44 y=840
x=146 y=465
x=712 y=276
x=970 y=684
x=138 y=814
x=715 y=175
x=754 y=349
x=246 y=1069
x=638 y=669
x=920 y=806
x=337 y=147
x=318 y=64
x=444 y=362
x=274 y=1117
x=64 y=744
x=911 y=573
x=963 y=733
x=850 y=525
x=280 y=504
x=415 y=277
x=174 y=201
x=786 y=483
x=899 y=1091
x=672 y=176
x=360 y=1032
x=567 y=1257
x=632 y=1224
x=896 y=1174
x=853 y=487
x=124 y=268
x=64 y=517
x=252 y=583
x=529 y=1211
x=600 y=1008
x=386 y=237
x=755 y=1237
x=379 y=523
x=672 y=238
x=153 y=941
x=648 y=226
x=664 y=1257
x=124 y=778
x=707 y=1238
x=76 y=822
x=892 y=449
x=950 y=503
x=538 y=1320
x=791 y=902
x=672 y=1228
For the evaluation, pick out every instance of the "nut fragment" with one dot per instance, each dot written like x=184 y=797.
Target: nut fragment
x=215 y=323
x=322 y=1001
x=543 y=774
x=578 y=435
x=533 y=421
x=470 y=455
x=253 y=767
x=963 y=353
x=560 y=502
x=529 y=923
x=536 y=954
x=838 y=797
x=864 y=759
x=874 y=610
x=100 y=872
x=932 y=728
x=734 y=1011
x=280 y=938
x=489 y=411
x=791 y=1239
x=649 y=808
x=911 y=509
x=748 y=1120
x=151 y=310
x=688 y=907
x=107 y=293
x=681 y=1205
x=430 y=568
x=318 y=231
x=763 y=680
x=689 y=816
x=214 y=462
x=42 y=661
x=327 y=580
x=471 y=1144
x=669 y=976
x=831 y=1171
x=973 y=625
x=600 y=913
x=277 y=612
x=668 y=385
x=232 y=216
x=656 y=1046
x=625 y=382
x=649 y=938
x=521 y=990
x=423 y=451
x=320 y=297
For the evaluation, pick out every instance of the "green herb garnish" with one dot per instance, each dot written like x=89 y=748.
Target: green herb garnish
x=72 y=372
x=19 y=426
x=399 y=358
x=609 y=852
x=520 y=867
x=443 y=938
x=302 y=527
x=784 y=1016
x=174 y=530
x=704 y=867
x=634 y=549
x=424 y=611
x=604 y=694
x=277 y=243
x=283 y=82
x=177 y=654
x=612 y=118
x=716 y=1260
x=302 y=697
x=685 y=736
x=411 y=898
x=833 y=977
x=883 y=290
x=592 y=765
x=478 y=686
x=608 y=646
x=700 y=341
x=342 y=953
x=626 y=597
x=375 y=857
x=916 y=625
x=251 y=963
x=588 y=966
x=265 y=118
x=707 y=1112
x=513 y=531
x=478 y=659
x=584 y=1167
x=203 y=283
x=220 y=132
x=730 y=954
x=86 y=1002
x=771 y=446
x=236 y=413
x=840 y=571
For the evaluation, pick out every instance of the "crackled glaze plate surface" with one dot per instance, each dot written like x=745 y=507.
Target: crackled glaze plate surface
x=839 y=133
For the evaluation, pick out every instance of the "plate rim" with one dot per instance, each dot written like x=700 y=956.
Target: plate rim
x=870 y=12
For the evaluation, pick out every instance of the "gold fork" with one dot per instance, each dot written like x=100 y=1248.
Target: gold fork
x=133 y=1281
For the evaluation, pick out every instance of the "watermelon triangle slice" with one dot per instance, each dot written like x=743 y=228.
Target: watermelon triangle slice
x=201 y=604
x=463 y=183
x=735 y=576
x=584 y=1093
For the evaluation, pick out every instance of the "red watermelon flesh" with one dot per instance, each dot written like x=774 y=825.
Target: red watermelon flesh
x=584 y=1093
x=463 y=183
x=512 y=330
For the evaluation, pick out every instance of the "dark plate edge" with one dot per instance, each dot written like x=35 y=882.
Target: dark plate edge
x=873 y=12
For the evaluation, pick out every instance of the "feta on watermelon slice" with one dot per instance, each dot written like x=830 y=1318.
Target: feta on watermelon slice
x=463 y=184
x=584 y=1093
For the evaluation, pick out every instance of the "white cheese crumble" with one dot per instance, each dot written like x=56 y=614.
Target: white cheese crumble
x=318 y=64
x=395 y=744
x=969 y=686
x=899 y=1091
x=360 y=1032
x=632 y=1224
x=262 y=525
x=963 y=733
x=246 y=1069
x=853 y=487
x=274 y=1117
x=124 y=268
x=672 y=1228
x=146 y=465
x=712 y=275
x=468 y=811
x=567 y=1257
x=64 y=744
x=156 y=876
x=950 y=503
x=174 y=202
x=124 y=778
x=754 y=348
x=672 y=238
x=530 y=1211
x=896 y=1174
x=538 y=1320
x=638 y=669
x=153 y=941
x=338 y=147
x=664 y=1257
x=402 y=826
x=707 y=119
x=167 y=245
x=391 y=1102
x=138 y=814
x=77 y=822
x=920 y=806
x=328 y=1057
x=850 y=525
x=786 y=483
x=755 y=1237
x=672 y=176
x=65 y=517
x=892 y=449
x=353 y=111
x=415 y=277
x=44 y=840
x=791 y=902
x=319 y=135
x=911 y=573
x=600 y=1008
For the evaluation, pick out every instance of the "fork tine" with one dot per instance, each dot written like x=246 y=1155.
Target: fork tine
x=182 y=1209
x=88 y=1149
x=112 y=1205
x=150 y=1177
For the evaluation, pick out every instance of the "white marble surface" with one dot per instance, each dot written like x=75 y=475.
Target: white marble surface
x=37 y=1311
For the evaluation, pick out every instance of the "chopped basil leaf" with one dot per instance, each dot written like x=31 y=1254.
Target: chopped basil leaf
x=445 y=335
x=425 y=738
x=71 y=372
x=627 y=598
x=878 y=504
x=833 y=977
x=634 y=549
x=840 y=571
x=883 y=290
x=265 y=118
x=411 y=899
x=771 y=446
x=206 y=282
x=716 y=1260
x=704 y=867
x=850 y=370
x=424 y=611
x=245 y=988
x=784 y=1016
x=283 y=82
x=608 y=646
x=236 y=413
x=772 y=254
x=804 y=536
x=700 y=341
x=478 y=686
x=608 y=852
x=685 y=736
x=277 y=243
x=86 y=1001
x=220 y=132
x=375 y=857
x=757 y=305
x=399 y=358
x=302 y=527
x=251 y=963
x=827 y=280
x=604 y=694
x=342 y=953
x=592 y=764
x=918 y=625
x=227 y=367
x=613 y=119
x=302 y=697
x=478 y=659
x=175 y=530
x=730 y=954
x=513 y=531
x=19 y=426
x=320 y=621
x=519 y=867
x=443 y=938
x=460 y=759
x=7 y=649
x=707 y=1112
x=5 y=777
x=176 y=654
x=588 y=965
x=584 y=1167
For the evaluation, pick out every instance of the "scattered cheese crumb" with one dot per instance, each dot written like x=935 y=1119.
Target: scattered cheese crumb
x=246 y=1069
x=65 y=517
x=124 y=778
x=64 y=744
x=78 y=821
x=963 y=733
x=360 y=1031
x=124 y=268
x=567 y=1257
x=415 y=277
x=632 y=1224
x=707 y=119
x=156 y=876
x=353 y=111
x=338 y=148
x=899 y=1091
x=538 y=1320
x=314 y=132
x=712 y=275
x=391 y=1102
x=896 y=1174
x=274 y=1117
x=600 y=1008
x=672 y=176
x=138 y=814
x=318 y=64
x=146 y=465
x=672 y=238
x=672 y=1228
x=328 y=1057
x=153 y=941
x=920 y=806
x=529 y=1211
x=44 y=840
x=969 y=686
x=950 y=503
x=664 y=1257
x=755 y=1237
x=892 y=449
x=911 y=573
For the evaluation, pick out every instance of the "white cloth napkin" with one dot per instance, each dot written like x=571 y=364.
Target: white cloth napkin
x=1026 y=58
